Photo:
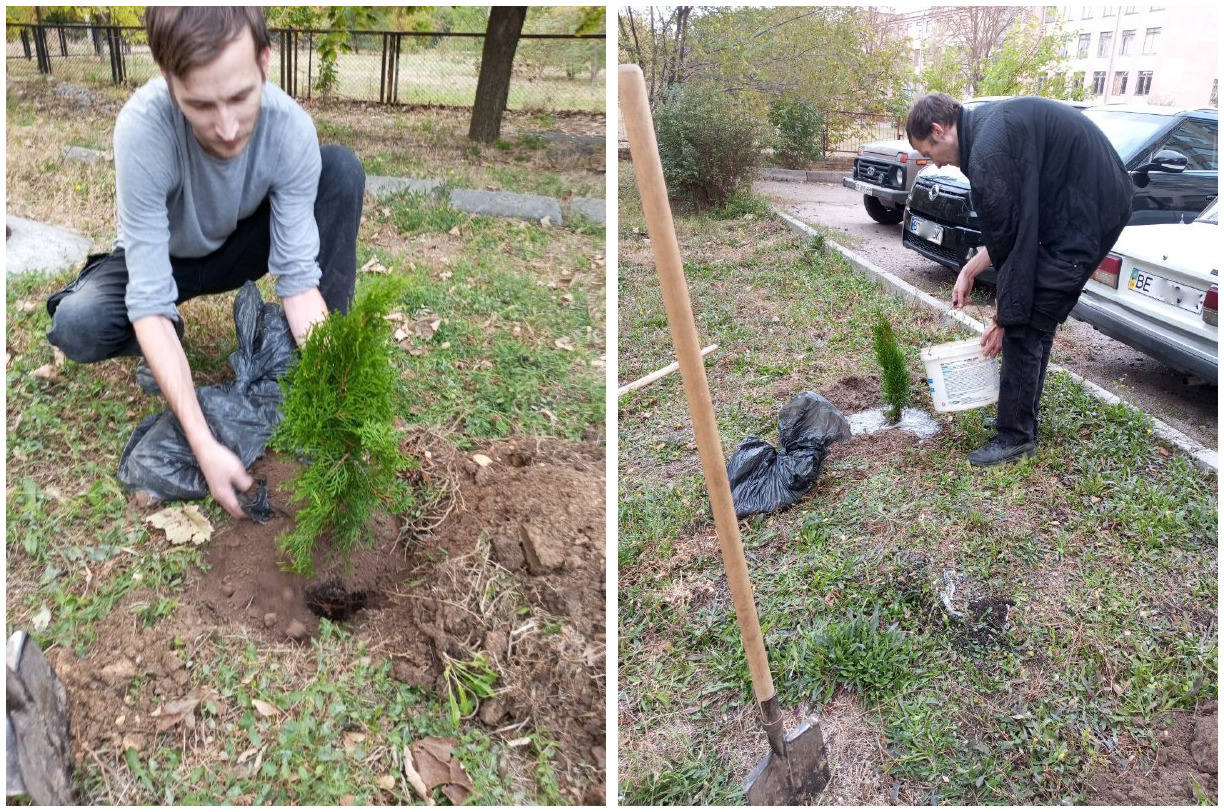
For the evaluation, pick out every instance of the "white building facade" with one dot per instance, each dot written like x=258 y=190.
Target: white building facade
x=1160 y=55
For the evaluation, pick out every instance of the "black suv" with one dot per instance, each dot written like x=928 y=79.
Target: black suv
x=940 y=222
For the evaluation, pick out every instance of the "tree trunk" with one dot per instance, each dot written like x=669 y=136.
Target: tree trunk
x=496 y=59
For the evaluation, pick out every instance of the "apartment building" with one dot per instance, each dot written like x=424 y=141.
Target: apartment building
x=1160 y=55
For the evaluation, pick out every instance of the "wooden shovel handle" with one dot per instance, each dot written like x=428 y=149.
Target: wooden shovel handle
x=649 y=170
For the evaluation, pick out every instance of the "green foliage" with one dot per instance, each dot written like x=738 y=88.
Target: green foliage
x=467 y=682
x=878 y=661
x=707 y=144
x=338 y=414
x=891 y=359
x=797 y=126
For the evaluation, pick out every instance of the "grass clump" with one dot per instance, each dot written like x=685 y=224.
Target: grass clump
x=338 y=414
x=891 y=358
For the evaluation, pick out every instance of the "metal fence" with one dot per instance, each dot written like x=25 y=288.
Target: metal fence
x=845 y=132
x=555 y=72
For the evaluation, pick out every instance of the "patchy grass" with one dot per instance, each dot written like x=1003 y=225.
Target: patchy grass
x=518 y=350
x=1085 y=578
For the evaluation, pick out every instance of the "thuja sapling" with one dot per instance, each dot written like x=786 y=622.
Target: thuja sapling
x=891 y=357
x=338 y=417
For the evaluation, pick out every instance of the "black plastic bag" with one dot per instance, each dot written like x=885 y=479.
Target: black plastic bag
x=241 y=413
x=764 y=479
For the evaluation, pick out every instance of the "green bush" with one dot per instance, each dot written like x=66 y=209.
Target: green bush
x=707 y=144
x=891 y=358
x=338 y=415
x=797 y=128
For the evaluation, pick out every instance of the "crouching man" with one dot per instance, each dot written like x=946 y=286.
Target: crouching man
x=220 y=179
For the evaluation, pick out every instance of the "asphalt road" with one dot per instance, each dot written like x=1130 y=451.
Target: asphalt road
x=1191 y=408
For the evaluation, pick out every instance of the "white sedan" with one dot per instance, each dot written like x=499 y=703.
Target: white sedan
x=1157 y=292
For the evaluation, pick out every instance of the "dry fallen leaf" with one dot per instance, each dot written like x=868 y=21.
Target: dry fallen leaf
x=454 y=232
x=386 y=782
x=564 y=343
x=426 y=326
x=172 y=713
x=482 y=460
x=414 y=778
x=182 y=524
x=46 y=372
x=437 y=766
x=374 y=266
x=265 y=709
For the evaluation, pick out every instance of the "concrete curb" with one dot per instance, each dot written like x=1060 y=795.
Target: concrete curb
x=496 y=204
x=1205 y=459
x=803 y=175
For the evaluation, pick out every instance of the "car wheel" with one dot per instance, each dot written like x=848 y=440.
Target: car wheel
x=881 y=213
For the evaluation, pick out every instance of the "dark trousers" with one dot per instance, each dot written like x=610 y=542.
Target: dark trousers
x=1026 y=354
x=89 y=317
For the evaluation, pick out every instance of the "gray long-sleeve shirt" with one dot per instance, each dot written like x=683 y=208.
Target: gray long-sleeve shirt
x=174 y=199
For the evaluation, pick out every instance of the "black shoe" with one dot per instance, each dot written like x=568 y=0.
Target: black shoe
x=145 y=379
x=995 y=453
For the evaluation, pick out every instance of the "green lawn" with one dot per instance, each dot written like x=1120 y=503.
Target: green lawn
x=1085 y=578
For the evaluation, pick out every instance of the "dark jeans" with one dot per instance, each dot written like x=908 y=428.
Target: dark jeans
x=1026 y=354
x=89 y=317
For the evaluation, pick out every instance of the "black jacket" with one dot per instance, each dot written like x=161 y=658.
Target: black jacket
x=1052 y=195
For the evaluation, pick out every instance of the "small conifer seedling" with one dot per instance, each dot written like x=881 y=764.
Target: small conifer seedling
x=891 y=357
x=338 y=416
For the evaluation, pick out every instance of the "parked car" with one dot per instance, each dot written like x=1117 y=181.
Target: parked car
x=884 y=173
x=1157 y=291
x=1170 y=152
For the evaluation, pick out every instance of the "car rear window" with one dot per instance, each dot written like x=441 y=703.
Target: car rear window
x=1128 y=132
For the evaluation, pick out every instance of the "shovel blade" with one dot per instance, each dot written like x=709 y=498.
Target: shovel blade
x=801 y=773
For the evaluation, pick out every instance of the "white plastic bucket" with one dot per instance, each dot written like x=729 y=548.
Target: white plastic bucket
x=960 y=376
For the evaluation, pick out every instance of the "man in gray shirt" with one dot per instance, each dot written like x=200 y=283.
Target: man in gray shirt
x=219 y=179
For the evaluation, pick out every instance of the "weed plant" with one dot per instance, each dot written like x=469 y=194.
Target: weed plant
x=892 y=362
x=338 y=415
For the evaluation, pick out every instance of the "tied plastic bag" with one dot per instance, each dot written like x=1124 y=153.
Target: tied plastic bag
x=764 y=479
x=241 y=413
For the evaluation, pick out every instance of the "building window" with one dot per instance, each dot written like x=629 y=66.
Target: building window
x=1105 y=43
x=1119 y=86
x=1108 y=12
x=1098 y=83
x=1145 y=83
x=1086 y=12
x=1085 y=39
x=1131 y=9
x=1128 y=41
x=1149 y=40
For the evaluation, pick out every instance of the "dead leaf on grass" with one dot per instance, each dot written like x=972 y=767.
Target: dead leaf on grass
x=374 y=266
x=437 y=766
x=386 y=782
x=414 y=778
x=27 y=305
x=454 y=232
x=426 y=326
x=175 y=712
x=265 y=709
x=400 y=334
x=565 y=343
x=564 y=281
x=47 y=372
x=182 y=524
x=41 y=620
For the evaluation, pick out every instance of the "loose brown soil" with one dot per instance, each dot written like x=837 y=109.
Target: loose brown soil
x=1186 y=754
x=515 y=569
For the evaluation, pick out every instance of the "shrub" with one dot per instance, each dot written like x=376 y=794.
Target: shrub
x=797 y=132
x=891 y=358
x=338 y=415
x=707 y=144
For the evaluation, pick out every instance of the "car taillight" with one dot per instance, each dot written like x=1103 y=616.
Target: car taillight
x=1107 y=272
x=1211 y=306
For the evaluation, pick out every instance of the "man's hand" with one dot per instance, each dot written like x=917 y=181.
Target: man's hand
x=992 y=340
x=225 y=475
x=164 y=354
x=978 y=263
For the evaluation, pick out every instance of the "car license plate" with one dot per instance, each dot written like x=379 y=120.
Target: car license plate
x=926 y=230
x=863 y=188
x=1166 y=290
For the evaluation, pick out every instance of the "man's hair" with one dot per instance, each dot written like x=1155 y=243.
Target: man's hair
x=186 y=37
x=933 y=108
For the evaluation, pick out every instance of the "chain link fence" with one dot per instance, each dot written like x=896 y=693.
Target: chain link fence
x=552 y=72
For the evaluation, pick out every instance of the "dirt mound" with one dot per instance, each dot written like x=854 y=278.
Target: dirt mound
x=514 y=572
x=1187 y=756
